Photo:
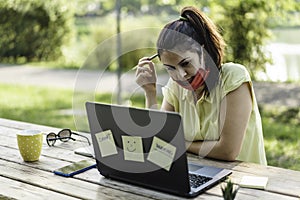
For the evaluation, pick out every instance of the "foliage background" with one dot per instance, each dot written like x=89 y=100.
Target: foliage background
x=36 y=30
x=33 y=30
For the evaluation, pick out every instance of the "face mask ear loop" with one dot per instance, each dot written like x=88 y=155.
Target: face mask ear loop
x=202 y=63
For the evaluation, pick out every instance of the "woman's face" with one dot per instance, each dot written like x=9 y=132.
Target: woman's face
x=182 y=67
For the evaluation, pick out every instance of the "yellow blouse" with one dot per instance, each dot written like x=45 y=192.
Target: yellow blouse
x=200 y=119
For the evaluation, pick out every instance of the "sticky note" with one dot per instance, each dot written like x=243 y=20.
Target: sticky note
x=258 y=182
x=133 y=148
x=106 y=143
x=161 y=153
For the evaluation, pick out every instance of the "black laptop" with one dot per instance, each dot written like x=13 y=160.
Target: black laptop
x=147 y=148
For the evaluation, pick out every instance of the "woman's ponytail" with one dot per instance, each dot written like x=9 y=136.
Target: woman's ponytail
x=208 y=33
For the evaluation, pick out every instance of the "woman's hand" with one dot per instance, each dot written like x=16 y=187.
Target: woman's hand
x=146 y=75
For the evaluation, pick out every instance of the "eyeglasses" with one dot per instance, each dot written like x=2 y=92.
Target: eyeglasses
x=64 y=135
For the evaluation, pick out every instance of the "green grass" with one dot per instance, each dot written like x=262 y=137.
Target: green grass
x=48 y=107
x=36 y=105
x=281 y=134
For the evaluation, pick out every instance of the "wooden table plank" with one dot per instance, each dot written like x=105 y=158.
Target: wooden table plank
x=92 y=176
x=61 y=150
x=215 y=192
x=67 y=186
x=283 y=183
x=95 y=177
x=20 y=190
x=24 y=125
x=13 y=127
x=250 y=194
x=11 y=153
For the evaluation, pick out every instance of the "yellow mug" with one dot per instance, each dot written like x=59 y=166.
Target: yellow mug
x=30 y=144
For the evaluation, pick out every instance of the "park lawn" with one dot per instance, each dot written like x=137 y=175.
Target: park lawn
x=45 y=106
x=48 y=107
x=282 y=143
x=36 y=105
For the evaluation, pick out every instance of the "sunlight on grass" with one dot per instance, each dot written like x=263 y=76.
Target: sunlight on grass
x=35 y=105
x=283 y=154
x=47 y=106
x=281 y=139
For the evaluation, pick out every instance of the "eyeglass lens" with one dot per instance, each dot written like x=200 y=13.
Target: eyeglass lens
x=64 y=135
x=51 y=139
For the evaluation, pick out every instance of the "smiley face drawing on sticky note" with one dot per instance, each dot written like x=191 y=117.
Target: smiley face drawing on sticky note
x=106 y=143
x=133 y=148
x=161 y=153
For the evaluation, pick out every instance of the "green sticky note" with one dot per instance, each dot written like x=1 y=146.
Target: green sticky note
x=161 y=153
x=106 y=143
x=133 y=148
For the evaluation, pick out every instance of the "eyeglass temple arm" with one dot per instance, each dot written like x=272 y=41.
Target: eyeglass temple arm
x=82 y=136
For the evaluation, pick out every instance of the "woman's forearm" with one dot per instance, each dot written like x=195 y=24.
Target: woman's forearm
x=211 y=149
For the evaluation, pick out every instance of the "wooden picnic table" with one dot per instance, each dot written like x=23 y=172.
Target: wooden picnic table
x=36 y=180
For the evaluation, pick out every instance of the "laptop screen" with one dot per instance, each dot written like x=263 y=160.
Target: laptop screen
x=142 y=146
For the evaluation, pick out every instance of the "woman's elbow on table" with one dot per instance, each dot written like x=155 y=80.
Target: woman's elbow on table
x=229 y=152
x=221 y=150
x=230 y=155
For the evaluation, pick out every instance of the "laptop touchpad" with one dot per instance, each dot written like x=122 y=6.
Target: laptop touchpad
x=193 y=168
x=209 y=171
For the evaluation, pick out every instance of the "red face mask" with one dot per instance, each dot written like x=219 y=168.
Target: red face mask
x=197 y=82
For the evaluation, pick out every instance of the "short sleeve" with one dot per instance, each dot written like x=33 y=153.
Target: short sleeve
x=233 y=76
x=169 y=93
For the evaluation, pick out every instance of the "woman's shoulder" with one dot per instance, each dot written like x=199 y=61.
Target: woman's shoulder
x=233 y=75
x=231 y=67
x=235 y=71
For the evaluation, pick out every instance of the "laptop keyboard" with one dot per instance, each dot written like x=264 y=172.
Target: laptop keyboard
x=197 y=180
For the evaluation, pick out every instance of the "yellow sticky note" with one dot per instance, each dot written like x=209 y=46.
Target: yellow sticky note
x=133 y=148
x=161 y=153
x=258 y=182
x=106 y=143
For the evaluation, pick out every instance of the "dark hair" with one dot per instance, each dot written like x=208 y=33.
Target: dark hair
x=195 y=27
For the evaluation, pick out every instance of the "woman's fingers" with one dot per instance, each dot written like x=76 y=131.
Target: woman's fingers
x=145 y=66
x=145 y=73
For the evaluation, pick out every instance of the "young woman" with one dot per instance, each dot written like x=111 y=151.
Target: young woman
x=220 y=115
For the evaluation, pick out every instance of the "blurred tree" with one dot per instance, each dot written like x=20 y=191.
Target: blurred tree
x=33 y=30
x=246 y=26
x=246 y=29
x=132 y=7
x=284 y=13
x=87 y=8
